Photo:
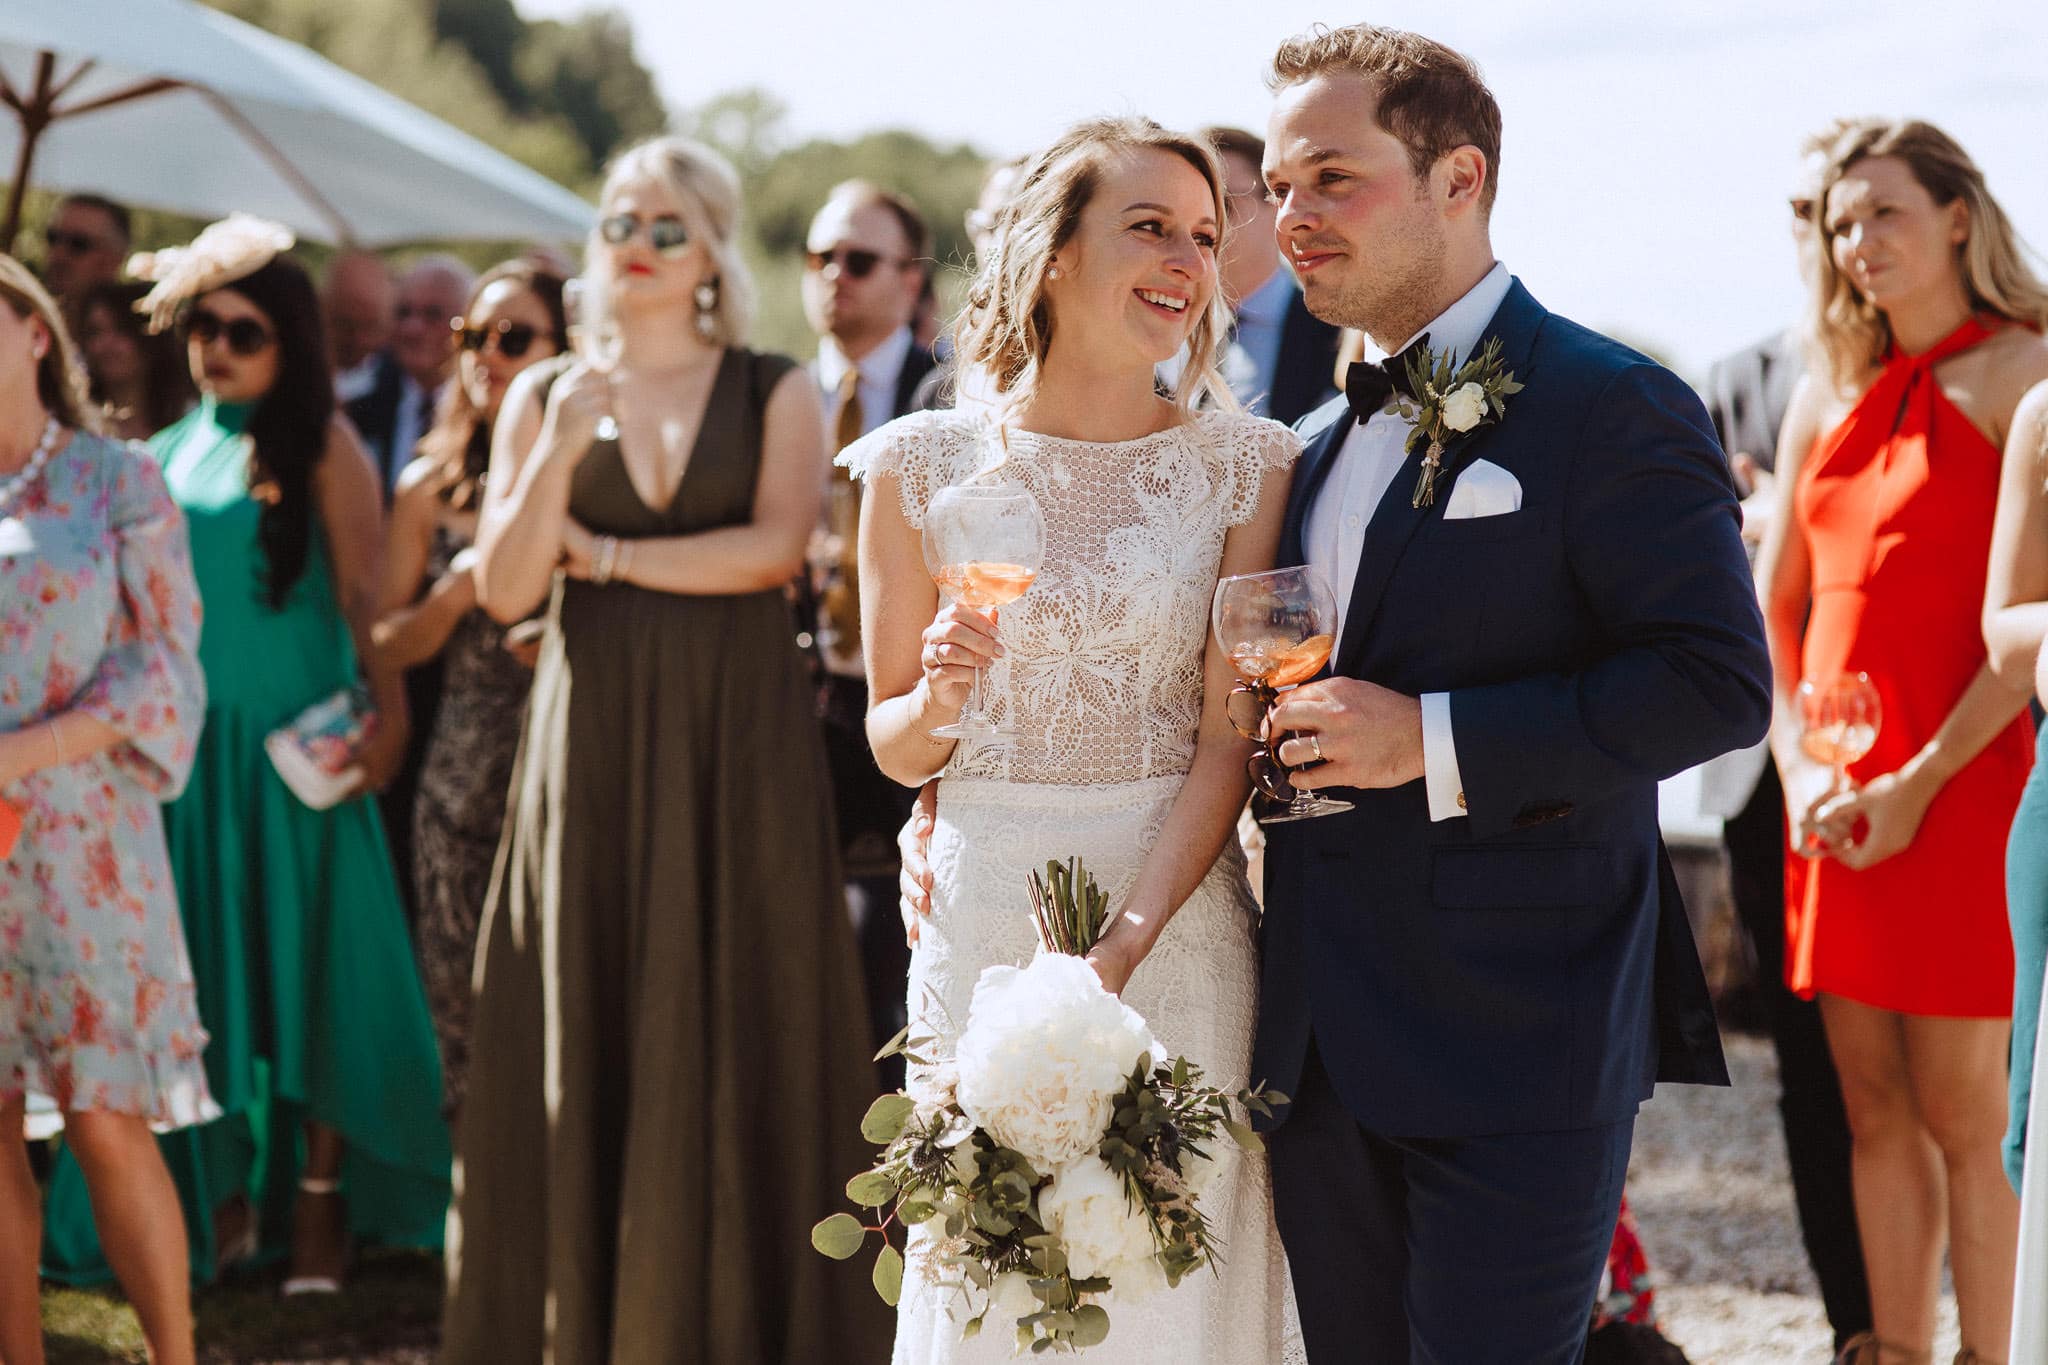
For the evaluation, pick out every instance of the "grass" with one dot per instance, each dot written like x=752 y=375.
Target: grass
x=393 y=1302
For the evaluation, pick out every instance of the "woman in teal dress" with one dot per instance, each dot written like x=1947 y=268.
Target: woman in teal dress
x=323 y=1054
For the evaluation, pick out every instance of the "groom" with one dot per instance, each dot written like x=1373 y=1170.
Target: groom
x=1474 y=978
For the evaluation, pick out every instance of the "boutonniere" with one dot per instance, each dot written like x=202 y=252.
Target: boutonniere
x=1450 y=403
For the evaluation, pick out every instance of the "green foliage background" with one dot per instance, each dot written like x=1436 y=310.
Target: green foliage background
x=563 y=96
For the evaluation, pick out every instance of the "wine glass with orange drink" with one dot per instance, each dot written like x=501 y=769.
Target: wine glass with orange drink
x=1839 y=720
x=983 y=547
x=1277 y=629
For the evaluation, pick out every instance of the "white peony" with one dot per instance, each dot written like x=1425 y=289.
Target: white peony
x=1465 y=407
x=1087 y=1208
x=1136 y=1280
x=1044 y=1056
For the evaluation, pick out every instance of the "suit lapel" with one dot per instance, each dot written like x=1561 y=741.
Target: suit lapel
x=1309 y=473
x=1396 y=519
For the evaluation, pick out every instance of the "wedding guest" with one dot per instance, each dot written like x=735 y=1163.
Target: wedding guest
x=1280 y=354
x=360 y=301
x=138 y=379
x=322 y=1052
x=101 y=700
x=84 y=245
x=2015 y=624
x=940 y=388
x=398 y=407
x=660 y=1103
x=1747 y=395
x=864 y=265
x=1926 y=324
x=514 y=318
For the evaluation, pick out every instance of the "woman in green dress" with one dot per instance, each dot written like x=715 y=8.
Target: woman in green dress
x=668 y=1062
x=322 y=1052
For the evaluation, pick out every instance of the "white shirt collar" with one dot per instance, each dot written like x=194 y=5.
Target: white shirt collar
x=878 y=368
x=1462 y=324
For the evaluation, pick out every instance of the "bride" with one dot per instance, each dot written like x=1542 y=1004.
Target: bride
x=1105 y=267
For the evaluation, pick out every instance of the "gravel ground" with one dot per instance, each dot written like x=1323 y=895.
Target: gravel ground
x=1714 y=1203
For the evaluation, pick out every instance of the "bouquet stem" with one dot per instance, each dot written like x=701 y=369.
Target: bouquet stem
x=1070 y=910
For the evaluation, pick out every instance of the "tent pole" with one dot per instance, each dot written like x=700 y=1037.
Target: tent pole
x=35 y=116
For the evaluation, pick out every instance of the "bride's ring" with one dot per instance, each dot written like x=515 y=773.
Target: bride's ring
x=1315 y=745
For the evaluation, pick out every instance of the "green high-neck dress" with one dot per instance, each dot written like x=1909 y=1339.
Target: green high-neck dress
x=305 y=974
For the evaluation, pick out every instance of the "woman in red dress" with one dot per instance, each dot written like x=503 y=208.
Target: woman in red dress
x=1926 y=326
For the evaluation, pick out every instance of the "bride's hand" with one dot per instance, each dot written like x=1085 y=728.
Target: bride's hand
x=959 y=641
x=914 y=846
x=1114 y=960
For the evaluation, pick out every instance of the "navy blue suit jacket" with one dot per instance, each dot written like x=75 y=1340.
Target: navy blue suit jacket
x=1527 y=966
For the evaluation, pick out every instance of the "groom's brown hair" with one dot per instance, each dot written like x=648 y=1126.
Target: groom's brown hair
x=1430 y=96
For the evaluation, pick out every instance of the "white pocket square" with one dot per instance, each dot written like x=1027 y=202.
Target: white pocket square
x=1483 y=490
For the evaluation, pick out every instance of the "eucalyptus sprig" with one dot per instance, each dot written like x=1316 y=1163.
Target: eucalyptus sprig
x=1449 y=402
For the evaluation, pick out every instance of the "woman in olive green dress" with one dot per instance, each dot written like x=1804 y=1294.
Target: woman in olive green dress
x=667 y=1068
x=322 y=1053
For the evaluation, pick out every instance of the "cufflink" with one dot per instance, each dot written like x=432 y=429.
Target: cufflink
x=1461 y=800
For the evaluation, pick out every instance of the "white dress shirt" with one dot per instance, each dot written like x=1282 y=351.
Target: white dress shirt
x=1365 y=466
x=880 y=369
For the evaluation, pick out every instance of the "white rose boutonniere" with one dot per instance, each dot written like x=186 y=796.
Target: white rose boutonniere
x=1451 y=403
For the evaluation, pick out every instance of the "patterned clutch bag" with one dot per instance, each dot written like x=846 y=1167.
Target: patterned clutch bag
x=315 y=752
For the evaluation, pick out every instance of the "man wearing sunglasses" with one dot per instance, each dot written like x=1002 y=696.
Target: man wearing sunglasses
x=1747 y=394
x=85 y=244
x=865 y=261
x=398 y=407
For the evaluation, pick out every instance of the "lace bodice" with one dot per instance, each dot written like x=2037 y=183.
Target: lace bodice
x=1102 y=672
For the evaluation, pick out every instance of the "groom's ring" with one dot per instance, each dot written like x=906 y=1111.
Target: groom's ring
x=1315 y=745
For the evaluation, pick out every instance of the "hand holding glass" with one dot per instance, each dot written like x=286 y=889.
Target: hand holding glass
x=983 y=546
x=1277 y=629
x=1839 y=721
x=599 y=344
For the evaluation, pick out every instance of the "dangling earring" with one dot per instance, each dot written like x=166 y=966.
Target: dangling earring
x=707 y=310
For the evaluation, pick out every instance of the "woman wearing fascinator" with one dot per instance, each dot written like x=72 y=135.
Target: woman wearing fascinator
x=323 y=1055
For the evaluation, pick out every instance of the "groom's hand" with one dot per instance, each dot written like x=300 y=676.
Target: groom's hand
x=1365 y=735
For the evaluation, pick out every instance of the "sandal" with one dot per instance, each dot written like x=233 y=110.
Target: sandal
x=318 y=1284
x=1865 y=1349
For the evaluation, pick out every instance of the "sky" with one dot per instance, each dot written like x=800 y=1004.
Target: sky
x=1647 y=149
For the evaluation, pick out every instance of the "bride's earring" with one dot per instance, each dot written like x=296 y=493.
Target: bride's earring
x=707 y=310
x=1052 y=272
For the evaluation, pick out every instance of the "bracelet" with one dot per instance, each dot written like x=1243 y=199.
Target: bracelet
x=606 y=551
x=56 y=742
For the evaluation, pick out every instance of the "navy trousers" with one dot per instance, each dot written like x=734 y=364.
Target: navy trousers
x=1442 y=1251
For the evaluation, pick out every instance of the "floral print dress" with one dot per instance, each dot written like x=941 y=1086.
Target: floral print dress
x=99 y=613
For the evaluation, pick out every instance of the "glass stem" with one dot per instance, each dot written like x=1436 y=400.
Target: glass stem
x=974 y=714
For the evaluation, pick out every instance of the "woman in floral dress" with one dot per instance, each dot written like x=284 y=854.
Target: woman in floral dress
x=101 y=700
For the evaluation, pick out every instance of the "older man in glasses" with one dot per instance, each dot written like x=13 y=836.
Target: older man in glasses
x=865 y=262
x=85 y=244
x=397 y=408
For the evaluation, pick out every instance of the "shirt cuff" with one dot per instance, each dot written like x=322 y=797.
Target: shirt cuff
x=1441 y=778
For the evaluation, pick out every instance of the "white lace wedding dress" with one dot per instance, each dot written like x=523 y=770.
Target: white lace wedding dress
x=1102 y=678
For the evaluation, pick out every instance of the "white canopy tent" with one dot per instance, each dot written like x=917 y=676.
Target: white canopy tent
x=172 y=105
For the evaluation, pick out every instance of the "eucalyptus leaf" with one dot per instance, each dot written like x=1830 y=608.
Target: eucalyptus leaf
x=888 y=1275
x=871 y=1189
x=1091 y=1325
x=1245 y=1137
x=886 y=1117
x=839 y=1236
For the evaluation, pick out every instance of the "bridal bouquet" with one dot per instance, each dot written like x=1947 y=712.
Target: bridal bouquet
x=1057 y=1156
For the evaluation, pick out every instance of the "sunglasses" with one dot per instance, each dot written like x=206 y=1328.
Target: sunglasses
x=513 y=339
x=852 y=261
x=1248 y=707
x=77 y=243
x=665 y=232
x=245 y=336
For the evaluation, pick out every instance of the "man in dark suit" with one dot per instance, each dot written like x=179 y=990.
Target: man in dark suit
x=1281 y=356
x=398 y=406
x=865 y=263
x=1474 y=978
x=1747 y=396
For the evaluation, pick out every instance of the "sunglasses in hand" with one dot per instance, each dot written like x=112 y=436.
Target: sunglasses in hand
x=852 y=261
x=245 y=336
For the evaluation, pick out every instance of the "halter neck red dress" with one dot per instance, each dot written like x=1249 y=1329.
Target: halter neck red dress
x=1895 y=505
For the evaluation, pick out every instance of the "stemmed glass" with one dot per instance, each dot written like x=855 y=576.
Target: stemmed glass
x=1277 y=629
x=598 y=342
x=1839 y=721
x=983 y=546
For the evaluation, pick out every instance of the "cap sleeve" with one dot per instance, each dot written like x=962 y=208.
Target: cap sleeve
x=1248 y=448
x=923 y=452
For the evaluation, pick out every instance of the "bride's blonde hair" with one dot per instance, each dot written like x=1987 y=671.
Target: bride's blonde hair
x=1005 y=329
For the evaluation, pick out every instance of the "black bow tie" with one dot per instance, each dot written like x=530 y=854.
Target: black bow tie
x=1368 y=383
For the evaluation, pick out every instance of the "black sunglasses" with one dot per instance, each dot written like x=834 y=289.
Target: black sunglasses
x=245 y=336
x=514 y=339
x=77 y=243
x=665 y=232
x=852 y=260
